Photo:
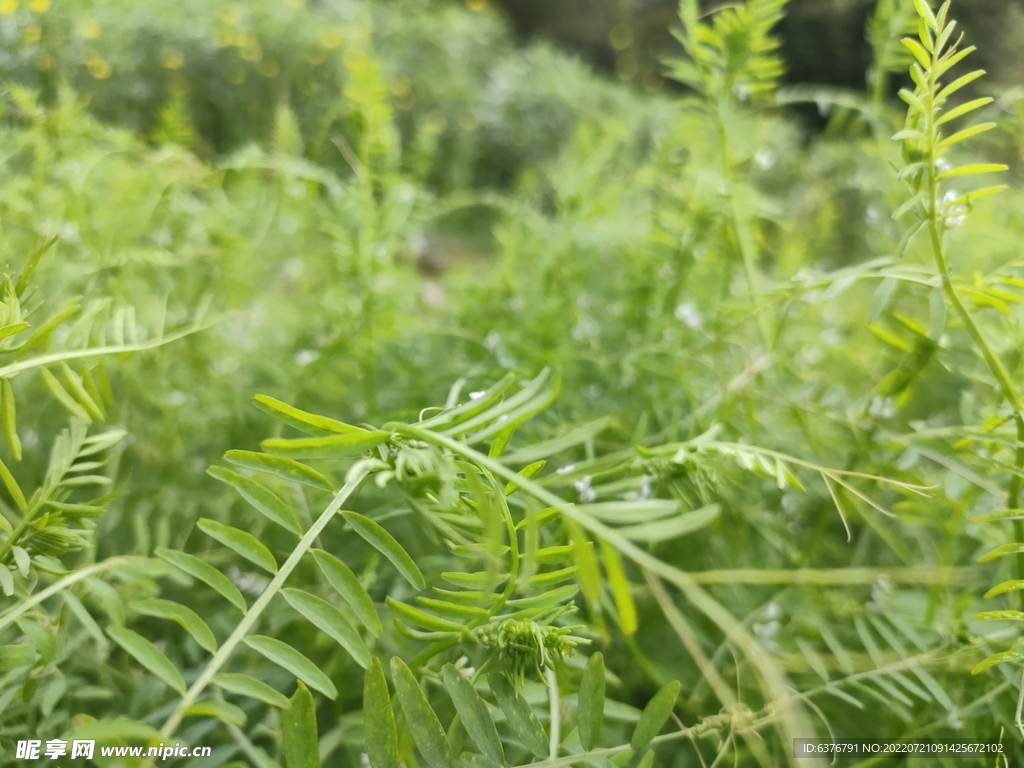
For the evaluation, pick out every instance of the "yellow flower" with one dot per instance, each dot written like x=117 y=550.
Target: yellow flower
x=330 y=38
x=39 y=6
x=8 y=6
x=232 y=15
x=89 y=29
x=31 y=34
x=98 y=66
x=172 y=58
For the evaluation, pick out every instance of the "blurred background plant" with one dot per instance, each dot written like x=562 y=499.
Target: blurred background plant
x=377 y=208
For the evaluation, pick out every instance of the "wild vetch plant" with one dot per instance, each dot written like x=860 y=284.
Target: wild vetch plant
x=694 y=434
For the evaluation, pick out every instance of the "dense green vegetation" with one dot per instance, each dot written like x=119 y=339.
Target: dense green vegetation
x=516 y=415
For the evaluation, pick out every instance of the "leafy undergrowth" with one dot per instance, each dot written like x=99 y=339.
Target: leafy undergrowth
x=662 y=437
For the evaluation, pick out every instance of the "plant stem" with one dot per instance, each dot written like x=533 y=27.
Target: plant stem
x=554 y=705
x=995 y=365
x=229 y=645
x=20 y=609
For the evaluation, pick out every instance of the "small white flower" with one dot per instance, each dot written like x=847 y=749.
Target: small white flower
x=882 y=408
x=765 y=159
x=643 y=492
x=954 y=719
x=492 y=341
x=565 y=470
x=688 y=314
x=306 y=356
x=477 y=395
x=957 y=215
x=584 y=492
x=942 y=166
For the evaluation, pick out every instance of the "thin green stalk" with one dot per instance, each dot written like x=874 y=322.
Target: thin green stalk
x=71 y=579
x=8 y=371
x=741 y=226
x=250 y=618
x=555 y=709
x=995 y=365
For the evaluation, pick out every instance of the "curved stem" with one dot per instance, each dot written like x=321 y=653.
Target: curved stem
x=792 y=721
x=224 y=652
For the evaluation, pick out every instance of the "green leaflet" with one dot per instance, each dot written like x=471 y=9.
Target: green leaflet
x=329 y=619
x=1012 y=548
x=12 y=487
x=1002 y=514
x=81 y=394
x=381 y=733
x=559 y=444
x=423 y=619
x=186 y=617
x=287 y=657
x=340 y=577
x=473 y=712
x=386 y=544
x=881 y=298
x=1013 y=585
x=423 y=723
x=266 y=502
x=655 y=715
x=470 y=408
x=621 y=591
x=999 y=616
x=309 y=423
x=205 y=572
x=8 y=410
x=671 y=528
x=244 y=685
x=299 y=740
x=148 y=655
x=527 y=472
x=30 y=265
x=61 y=396
x=336 y=447
x=997 y=658
x=286 y=469
x=590 y=711
x=589 y=573
x=43 y=639
x=222 y=710
x=519 y=714
x=115 y=728
x=245 y=544
x=624 y=512
x=14 y=656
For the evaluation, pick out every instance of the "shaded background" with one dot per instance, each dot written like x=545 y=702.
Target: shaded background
x=824 y=40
